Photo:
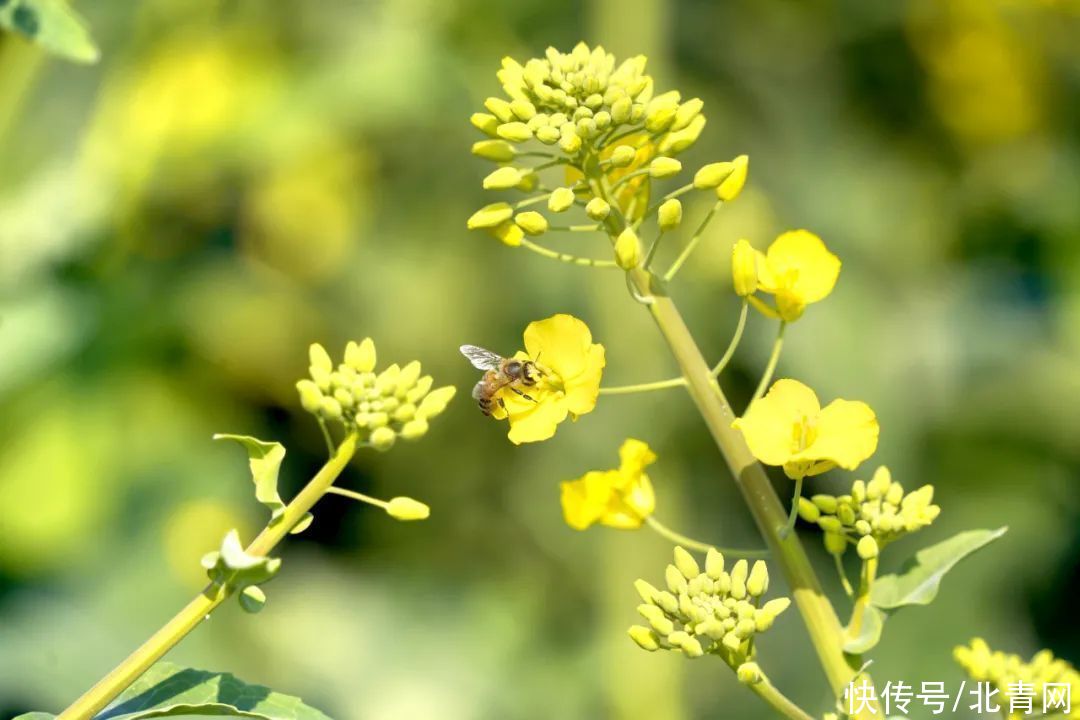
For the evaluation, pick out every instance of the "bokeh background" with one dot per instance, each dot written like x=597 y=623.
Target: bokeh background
x=237 y=179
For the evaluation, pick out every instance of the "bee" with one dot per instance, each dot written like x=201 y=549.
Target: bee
x=499 y=373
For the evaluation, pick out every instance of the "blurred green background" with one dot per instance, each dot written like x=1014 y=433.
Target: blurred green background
x=237 y=179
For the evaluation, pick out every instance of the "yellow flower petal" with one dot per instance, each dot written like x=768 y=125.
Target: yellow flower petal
x=801 y=256
x=533 y=422
x=628 y=510
x=634 y=455
x=561 y=343
x=583 y=390
x=847 y=434
x=585 y=500
x=771 y=424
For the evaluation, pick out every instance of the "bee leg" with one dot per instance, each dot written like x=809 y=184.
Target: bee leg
x=527 y=397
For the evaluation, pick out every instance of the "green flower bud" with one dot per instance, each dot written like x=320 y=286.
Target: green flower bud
x=310 y=396
x=405 y=509
x=602 y=120
x=548 y=135
x=749 y=673
x=561 y=199
x=663 y=167
x=382 y=438
x=505 y=178
x=660 y=112
x=826 y=503
x=858 y=492
x=570 y=143
x=252 y=599
x=758 y=582
x=620 y=110
x=531 y=222
x=831 y=524
x=712 y=175
x=494 y=150
x=835 y=543
x=485 y=123
x=845 y=514
x=490 y=216
x=597 y=209
x=675 y=142
x=499 y=108
x=514 y=132
x=863 y=527
x=627 y=249
x=895 y=494
x=669 y=215
x=622 y=156
x=645 y=638
x=867 y=548
x=686 y=563
x=714 y=563
x=808 y=511
x=344 y=397
x=404 y=412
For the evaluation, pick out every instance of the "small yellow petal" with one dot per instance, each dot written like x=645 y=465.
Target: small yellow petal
x=802 y=256
x=771 y=426
x=847 y=434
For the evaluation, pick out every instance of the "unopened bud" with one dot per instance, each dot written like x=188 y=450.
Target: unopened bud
x=490 y=216
x=835 y=543
x=414 y=429
x=485 y=123
x=644 y=637
x=627 y=249
x=730 y=188
x=509 y=234
x=622 y=156
x=331 y=408
x=310 y=396
x=744 y=273
x=514 y=131
x=663 y=167
x=686 y=113
x=504 y=178
x=494 y=150
x=382 y=438
x=597 y=209
x=713 y=174
x=686 y=563
x=808 y=511
x=404 y=508
x=867 y=548
x=320 y=359
x=561 y=199
x=669 y=215
x=758 y=582
x=749 y=673
x=531 y=222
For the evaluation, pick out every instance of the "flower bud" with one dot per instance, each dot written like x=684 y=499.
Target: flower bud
x=514 y=131
x=645 y=590
x=676 y=582
x=570 y=143
x=808 y=511
x=675 y=142
x=414 y=429
x=620 y=110
x=758 y=582
x=730 y=188
x=663 y=167
x=644 y=637
x=504 y=178
x=879 y=483
x=686 y=563
x=523 y=109
x=713 y=174
x=509 y=234
x=826 y=503
x=714 y=563
x=310 y=396
x=532 y=222
x=499 y=108
x=846 y=514
x=435 y=402
x=548 y=135
x=627 y=249
x=382 y=438
x=686 y=113
x=691 y=646
x=597 y=209
x=744 y=268
x=320 y=359
x=485 y=123
x=490 y=216
x=404 y=508
x=738 y=579
x=835 y=542
x=331 y=408
x=494 y=150
x=561 y=199
x=749 y=673
x=895 y=494
x=867 y=548
x=669 y=215
x=622 y=156
x=660 y=112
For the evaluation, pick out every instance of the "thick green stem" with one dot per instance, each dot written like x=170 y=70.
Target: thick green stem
x=779 y=702
x=106 y=690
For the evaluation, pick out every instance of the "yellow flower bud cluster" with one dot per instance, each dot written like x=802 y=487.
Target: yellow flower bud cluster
x=379 y=407
x=872 y=515
x=714 y=610
x=1006 y=671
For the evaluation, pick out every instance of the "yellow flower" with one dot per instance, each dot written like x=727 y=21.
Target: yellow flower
x=789 y=427
x=620 y=498
x=570 y=365
x=797 y=270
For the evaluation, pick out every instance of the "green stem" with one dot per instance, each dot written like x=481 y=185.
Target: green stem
x=793 y=513
x=862 y=600
x=839 y=561
x=735 y=339
x=106 y=690
x=689 y=249
x=331 y=448
x=689 y=542
x=565 y=257
x=360 y=497
x=573 y=228
x=774 y=358
x=644 y=387
x=656 y=206
x=778 y=701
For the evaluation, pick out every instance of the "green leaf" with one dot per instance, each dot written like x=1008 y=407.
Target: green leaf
x=869 y=634
x=35 y=716
x=51 y=24
x=918 y=582
x=232 y=566
x=170 y=690
x=265 y=459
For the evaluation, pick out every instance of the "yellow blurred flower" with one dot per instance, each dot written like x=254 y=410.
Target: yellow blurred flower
x=570 y=365
x=620 y=498
x=789 y=427
x=797 y=270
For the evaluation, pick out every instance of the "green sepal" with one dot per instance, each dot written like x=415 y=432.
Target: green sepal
x=303 y=524
x=252 y=599
x=918 y=582
x=265 y=459
x=233 y=567
x=51 y=24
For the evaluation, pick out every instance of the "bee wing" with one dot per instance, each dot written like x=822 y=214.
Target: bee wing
x=480 y=358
